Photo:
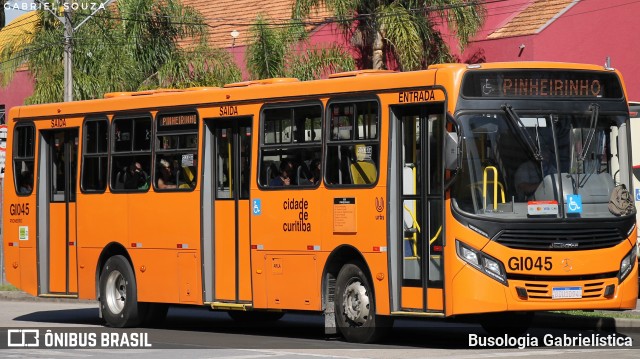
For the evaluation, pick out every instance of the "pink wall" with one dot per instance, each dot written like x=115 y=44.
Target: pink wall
x=589 y=32
x=323 y=36
x=18 y=90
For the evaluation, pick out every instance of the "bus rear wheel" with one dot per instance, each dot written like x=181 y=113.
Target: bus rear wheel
x=118 y=294
x=355 y=307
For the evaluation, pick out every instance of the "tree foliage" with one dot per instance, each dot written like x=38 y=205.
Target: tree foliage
x=282 y=50
x=404 y=31
x=132 y=46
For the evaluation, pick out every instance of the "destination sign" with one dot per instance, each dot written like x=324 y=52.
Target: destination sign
x=539 y=83
x=178 y=119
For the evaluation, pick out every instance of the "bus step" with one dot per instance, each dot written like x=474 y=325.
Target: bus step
x=417 y=314
x=230 y=306
x=54 y=295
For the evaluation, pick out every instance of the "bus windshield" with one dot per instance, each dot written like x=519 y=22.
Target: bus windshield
x=523 y=164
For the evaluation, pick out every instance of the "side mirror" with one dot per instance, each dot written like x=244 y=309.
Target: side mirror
x=451 y=150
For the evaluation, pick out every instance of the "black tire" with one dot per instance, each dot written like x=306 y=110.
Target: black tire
x=514 y=324
x=355 y=307
x=242 y=316
x=118 y=294
x=155 y=314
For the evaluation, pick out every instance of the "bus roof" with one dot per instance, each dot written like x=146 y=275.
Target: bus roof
x=278 y=89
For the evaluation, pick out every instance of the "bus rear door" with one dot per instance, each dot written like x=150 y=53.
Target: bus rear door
x=226 y=240
x=57 y=242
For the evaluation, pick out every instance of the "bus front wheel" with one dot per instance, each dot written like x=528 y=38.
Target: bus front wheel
x=118 y=294
x=355 y=307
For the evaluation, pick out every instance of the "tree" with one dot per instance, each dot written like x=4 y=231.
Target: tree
x=282 y=51
x=134 y=46
x=404 y=31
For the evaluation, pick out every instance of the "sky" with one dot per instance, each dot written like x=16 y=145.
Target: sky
x=11 y=13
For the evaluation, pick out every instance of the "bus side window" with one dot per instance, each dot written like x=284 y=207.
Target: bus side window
x=291 y=139
x=131 y=153
x=176 y=154
x=353 y=144
x=23 y=158
x=95 y=155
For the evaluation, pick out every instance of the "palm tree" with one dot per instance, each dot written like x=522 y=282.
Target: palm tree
x=133 y=46
x=282 y=51
x=404 y=31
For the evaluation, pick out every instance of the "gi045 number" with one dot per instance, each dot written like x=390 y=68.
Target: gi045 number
x=530 y=263
x=19 y=209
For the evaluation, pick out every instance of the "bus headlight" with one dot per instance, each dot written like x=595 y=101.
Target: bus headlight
x=626 y=265
x=482 y=262
x=469 y=255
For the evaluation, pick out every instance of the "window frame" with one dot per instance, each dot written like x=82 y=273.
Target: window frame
x=97 y=154
x=284 y=148
x=131 y=152
x=15 y=157
x=156 y=150
x=329 y=142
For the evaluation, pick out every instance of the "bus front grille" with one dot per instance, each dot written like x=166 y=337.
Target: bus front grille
x=554 y=239
x=544 y=291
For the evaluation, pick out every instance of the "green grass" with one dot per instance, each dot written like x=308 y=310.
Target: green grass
x=7 y=287
x=600 y=314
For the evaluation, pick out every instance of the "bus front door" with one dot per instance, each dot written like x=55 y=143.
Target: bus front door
x=226 y=240
x=419 y=208
x=57 y=242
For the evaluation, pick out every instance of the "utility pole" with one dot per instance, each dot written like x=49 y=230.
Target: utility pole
x=68 y=53
x=67 y=8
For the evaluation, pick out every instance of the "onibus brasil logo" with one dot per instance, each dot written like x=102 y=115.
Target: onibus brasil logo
x=82 y=338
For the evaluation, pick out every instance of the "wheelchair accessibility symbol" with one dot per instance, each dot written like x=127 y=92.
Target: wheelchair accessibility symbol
x=257 y=207
x=574 y=203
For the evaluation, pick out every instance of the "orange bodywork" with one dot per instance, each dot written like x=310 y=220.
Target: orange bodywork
x=274 y=260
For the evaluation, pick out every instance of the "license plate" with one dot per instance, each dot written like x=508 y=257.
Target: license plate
x=566 y=293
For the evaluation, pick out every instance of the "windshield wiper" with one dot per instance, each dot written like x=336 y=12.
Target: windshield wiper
x=593 y=123
x=522 y=132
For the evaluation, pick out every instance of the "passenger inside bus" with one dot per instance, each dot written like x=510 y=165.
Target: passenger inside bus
x=284 y=179
x=165 y=178
x=26 y=182
x=136 y=177
x=316 y=175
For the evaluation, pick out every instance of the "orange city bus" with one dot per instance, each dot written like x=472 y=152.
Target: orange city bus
x=490 y=190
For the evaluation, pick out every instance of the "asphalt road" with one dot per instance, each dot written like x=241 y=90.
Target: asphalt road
x=200 y=333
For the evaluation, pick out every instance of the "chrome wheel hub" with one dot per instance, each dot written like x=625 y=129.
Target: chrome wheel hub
x=116 y=292
x=356 y=303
